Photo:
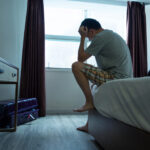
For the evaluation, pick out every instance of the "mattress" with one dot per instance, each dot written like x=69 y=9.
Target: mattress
x=127 y=100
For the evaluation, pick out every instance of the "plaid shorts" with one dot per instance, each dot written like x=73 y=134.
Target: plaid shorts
x=96 y=75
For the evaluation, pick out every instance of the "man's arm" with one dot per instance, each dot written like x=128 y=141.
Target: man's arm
x=82 y=56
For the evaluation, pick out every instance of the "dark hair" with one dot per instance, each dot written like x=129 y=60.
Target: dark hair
x=91 y=24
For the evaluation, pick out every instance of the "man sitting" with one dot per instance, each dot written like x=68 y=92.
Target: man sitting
x=112 y=57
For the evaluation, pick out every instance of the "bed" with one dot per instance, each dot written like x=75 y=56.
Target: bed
x=121 y=118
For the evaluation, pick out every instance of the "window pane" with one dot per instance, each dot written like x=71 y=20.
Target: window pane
x=62 y=21
x=114 y=20
x=92 y=61
x=61 y=54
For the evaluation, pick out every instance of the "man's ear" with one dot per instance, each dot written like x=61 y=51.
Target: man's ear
x=92 y=31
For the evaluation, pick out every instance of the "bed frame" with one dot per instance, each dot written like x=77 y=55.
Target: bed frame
x=112 y=134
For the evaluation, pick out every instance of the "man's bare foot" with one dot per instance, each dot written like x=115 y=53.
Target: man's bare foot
x=85 y=107
x=83 y=128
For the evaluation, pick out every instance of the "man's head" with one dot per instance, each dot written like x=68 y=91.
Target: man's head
x=93 y=27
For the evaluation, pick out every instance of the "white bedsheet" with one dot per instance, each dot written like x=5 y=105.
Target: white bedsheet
x=127 y=100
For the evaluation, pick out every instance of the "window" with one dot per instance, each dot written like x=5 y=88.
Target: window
x=61 y=54
x=61 y=27
x=62 y=21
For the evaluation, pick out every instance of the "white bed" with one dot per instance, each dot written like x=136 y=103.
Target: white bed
x=127 y=100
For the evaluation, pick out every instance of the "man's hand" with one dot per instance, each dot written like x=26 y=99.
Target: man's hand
x=82 y=55
x=83 y=31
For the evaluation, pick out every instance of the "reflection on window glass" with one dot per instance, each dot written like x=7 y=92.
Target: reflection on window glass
x=60 y=21
x=61 y=54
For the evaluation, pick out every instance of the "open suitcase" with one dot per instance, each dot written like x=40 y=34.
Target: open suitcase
x=27 y=111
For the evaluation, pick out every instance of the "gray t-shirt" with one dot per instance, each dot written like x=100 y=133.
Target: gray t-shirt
x=112 y=54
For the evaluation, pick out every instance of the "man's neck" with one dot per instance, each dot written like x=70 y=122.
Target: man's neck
x=99 y=30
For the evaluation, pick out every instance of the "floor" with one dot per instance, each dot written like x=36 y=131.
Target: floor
x=53 y=132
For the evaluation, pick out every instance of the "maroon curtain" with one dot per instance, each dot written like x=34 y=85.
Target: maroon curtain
x=32 y=82
x=136 y=37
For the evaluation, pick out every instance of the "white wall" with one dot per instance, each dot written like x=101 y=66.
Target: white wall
x=62 y=92
x=147 y=9
x=12 y=21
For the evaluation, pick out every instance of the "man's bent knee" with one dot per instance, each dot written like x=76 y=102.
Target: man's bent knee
x=76 y=66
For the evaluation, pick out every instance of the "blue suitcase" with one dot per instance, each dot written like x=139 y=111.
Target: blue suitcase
x=27 y=111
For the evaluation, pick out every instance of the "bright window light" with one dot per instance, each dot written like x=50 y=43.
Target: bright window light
x=114 y=20
x=60 y=54
x=63 y=23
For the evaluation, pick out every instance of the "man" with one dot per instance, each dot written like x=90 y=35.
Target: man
x=112 y=57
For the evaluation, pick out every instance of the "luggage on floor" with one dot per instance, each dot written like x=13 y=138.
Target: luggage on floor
x=27 y=111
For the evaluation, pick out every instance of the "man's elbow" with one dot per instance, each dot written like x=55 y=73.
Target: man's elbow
x=81 y=59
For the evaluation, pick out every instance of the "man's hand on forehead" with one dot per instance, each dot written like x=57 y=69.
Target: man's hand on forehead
x=83 y=31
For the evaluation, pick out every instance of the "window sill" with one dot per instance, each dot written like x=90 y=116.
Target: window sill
x=48 y=69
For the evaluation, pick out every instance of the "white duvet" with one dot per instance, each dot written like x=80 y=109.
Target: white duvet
x=127 y=100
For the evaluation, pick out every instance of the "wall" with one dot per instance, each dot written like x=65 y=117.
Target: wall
x=62 y=92
x=12 y=21
x=147 y=9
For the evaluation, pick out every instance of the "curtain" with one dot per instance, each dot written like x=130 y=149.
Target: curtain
x=137 y=38
x=32 y=83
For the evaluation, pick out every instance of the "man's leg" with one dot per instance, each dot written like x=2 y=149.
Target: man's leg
x=83 y=128
x=84 y=85
x=94 y=74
